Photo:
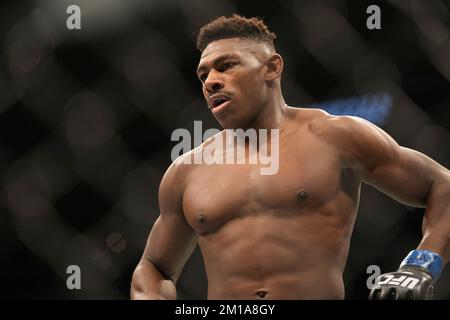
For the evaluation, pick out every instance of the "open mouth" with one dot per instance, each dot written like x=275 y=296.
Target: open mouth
x=218 y=101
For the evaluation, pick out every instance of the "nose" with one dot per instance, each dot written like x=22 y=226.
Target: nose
x=213 y=83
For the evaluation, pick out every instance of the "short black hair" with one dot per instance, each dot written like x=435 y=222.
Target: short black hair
x=235 y=26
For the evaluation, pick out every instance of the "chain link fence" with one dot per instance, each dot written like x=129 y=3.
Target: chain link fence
x=86 y=118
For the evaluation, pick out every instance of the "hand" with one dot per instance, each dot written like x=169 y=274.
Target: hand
x=408 y=283
x=413 y=280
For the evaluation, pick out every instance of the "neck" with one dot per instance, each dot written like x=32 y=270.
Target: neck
x=271 y=115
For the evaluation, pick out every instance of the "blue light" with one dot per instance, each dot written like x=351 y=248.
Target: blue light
x=374 y=108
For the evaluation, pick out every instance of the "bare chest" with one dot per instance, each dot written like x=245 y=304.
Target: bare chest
x=309 y=175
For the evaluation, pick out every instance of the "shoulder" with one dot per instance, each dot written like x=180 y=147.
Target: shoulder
x=354 y=137
x=173 y=181
x=180 y=169
x=342 y=130
x=325 y=125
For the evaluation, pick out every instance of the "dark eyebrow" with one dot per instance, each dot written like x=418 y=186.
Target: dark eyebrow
x=217 y=61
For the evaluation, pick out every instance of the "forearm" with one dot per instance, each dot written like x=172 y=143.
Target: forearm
x=436 y=226
x=149 y=284
x=422 y=267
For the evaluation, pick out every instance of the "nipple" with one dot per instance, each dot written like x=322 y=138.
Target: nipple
x=261 y=294
x=201 y=218
x=302 y=195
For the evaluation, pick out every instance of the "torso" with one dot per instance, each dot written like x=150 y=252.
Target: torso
x=281 y=236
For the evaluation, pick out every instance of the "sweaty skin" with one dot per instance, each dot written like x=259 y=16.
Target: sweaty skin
x=287 y=235
x=276 y=236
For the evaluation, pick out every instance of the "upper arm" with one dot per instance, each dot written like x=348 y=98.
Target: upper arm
x=171 y=240
x=404 y=174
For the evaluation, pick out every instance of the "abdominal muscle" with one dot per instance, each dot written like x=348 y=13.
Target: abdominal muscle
x=268 y=257
x=280 y=287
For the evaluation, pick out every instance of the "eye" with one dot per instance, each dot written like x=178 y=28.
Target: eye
x=203 y=76
x=227 y=65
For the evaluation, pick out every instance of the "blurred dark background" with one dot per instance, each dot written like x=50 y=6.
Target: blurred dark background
x=86 y=118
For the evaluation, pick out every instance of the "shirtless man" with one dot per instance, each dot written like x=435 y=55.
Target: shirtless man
x=285 y=235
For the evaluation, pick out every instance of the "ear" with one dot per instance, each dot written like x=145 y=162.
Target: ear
x=274 y=67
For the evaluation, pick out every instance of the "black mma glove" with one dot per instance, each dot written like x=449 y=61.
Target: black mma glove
x=413 y=280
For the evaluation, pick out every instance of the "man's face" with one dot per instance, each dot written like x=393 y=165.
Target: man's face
x=232 y=74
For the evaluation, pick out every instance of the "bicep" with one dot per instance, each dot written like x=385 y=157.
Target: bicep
x=171 y=240
x=170 y=244
x=404 y=174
